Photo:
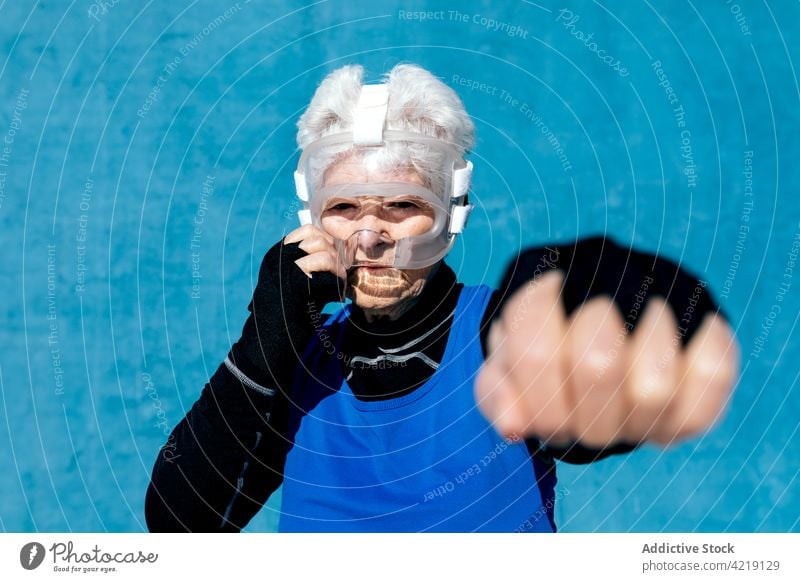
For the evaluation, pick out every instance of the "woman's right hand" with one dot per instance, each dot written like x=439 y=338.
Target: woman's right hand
x=322 y=255
x=297 y=278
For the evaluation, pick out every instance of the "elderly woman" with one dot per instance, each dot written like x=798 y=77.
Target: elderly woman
x=423 y=404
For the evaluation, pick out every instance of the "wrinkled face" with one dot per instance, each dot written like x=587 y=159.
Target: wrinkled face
x=377 y=288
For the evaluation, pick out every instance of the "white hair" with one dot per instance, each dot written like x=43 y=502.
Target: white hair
x=418 y=102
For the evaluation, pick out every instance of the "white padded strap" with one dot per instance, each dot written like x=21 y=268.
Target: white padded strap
x=300 y=186
x=458 y=218
x=373 y=102
x=304 y=216
x=462 y=178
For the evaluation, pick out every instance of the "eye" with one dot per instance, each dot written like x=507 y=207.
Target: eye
x=341 y=207
x=403 y=205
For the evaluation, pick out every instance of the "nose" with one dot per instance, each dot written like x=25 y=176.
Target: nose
x=366 y=247
x=373 y=245
x=368 y=239
x=370 y=230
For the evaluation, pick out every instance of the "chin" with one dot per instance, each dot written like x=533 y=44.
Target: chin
x=379 y=288
x=385 y=289
x=368 y=302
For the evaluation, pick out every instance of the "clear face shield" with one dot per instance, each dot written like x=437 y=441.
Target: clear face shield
x=362 y=188
x=382 y=218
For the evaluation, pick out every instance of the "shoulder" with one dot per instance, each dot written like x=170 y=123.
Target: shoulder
x=481 y=303
x=482 y=299
x=476 y=298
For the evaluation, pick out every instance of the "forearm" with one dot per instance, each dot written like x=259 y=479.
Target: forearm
x=226 y=456
x=223 y=442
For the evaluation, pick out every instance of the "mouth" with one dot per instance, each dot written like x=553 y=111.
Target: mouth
x=376 y=270
x=372 y=274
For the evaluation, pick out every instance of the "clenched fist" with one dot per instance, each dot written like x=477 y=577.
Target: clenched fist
x=604 y=345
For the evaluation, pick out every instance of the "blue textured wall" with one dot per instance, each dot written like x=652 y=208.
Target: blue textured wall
x=135 y=135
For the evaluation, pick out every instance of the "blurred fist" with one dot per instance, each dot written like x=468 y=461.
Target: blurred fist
x=598 y=375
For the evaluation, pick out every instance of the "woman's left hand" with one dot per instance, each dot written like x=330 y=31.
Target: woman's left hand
x=585 y=379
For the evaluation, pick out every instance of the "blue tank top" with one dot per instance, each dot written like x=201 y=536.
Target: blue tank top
x=424 y=461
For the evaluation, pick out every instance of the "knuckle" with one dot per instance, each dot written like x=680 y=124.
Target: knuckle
x=535 y=353
x=593 y=362
x=707 y=372
x=303 y=230
x=652 y=390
